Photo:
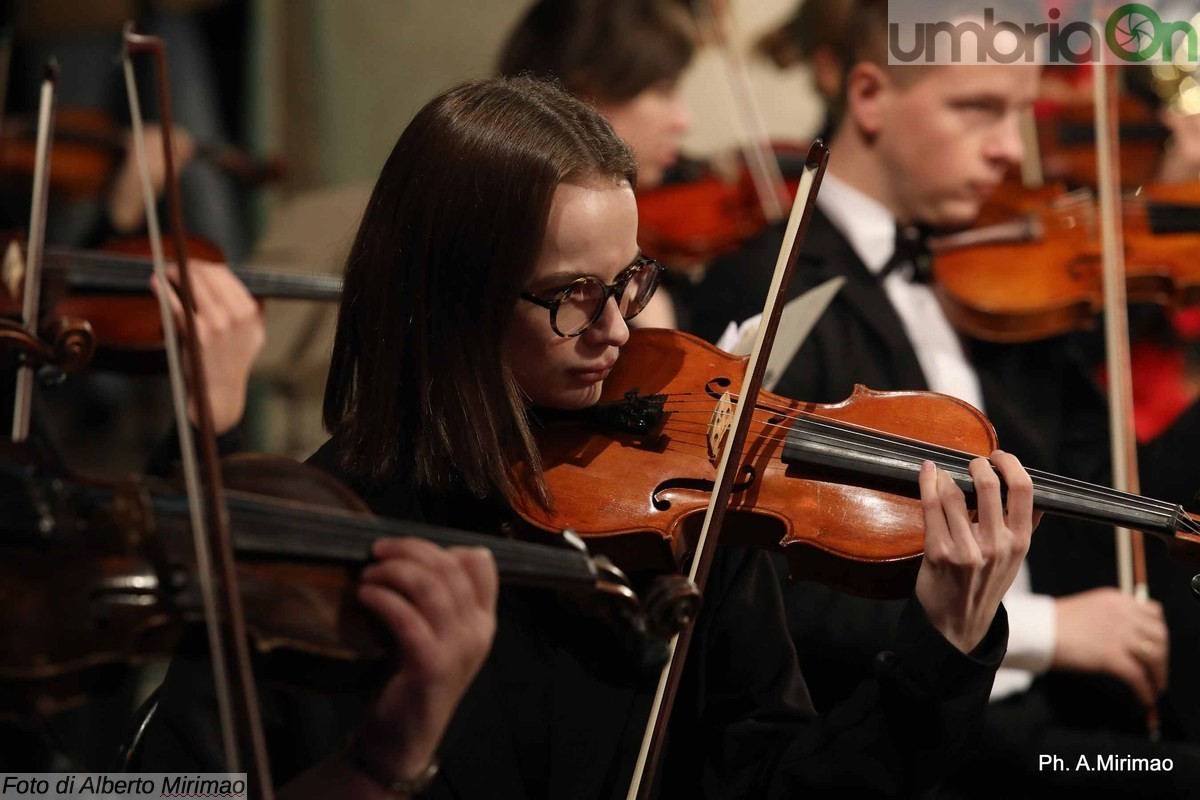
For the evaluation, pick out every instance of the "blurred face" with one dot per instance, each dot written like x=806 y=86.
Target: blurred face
x=592 y=230
x=943 y=138
x=651 y=123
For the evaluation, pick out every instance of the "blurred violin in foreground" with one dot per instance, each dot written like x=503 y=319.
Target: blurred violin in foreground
x=99 y=576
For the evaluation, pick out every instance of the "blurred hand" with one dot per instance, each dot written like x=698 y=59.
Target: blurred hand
x=229 y=325
x=1104 y=630
x=440 y=606
x=126 y=207
x=1181 y=161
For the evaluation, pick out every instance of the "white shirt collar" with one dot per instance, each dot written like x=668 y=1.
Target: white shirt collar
x=864 y=221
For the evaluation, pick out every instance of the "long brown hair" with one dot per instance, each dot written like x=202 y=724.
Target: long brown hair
x=419 y=387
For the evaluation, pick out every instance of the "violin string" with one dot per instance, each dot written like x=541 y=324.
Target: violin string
x=103 y=270
x=886 y=447
x=1079 y=490
x=960 y=460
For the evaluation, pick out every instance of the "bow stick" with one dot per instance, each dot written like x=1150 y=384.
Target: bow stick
x=236 y=692
x=727 y=470
x=30 y=317
x=1130 y=544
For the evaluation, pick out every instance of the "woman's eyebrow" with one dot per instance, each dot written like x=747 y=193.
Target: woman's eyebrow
x=565 y=276
x=561 y=277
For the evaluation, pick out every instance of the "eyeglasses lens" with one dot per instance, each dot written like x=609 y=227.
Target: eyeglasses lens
x=584 y=303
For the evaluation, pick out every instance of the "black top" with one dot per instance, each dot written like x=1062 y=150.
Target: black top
x=552 y=714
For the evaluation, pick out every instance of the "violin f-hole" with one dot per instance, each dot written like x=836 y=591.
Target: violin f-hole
x=716 y=387
x=749 y=476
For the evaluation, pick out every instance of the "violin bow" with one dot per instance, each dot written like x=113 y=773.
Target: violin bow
x=769 y=185
x=31 y=303
x=236 y=692
x=1130 y=544
x=727 y=469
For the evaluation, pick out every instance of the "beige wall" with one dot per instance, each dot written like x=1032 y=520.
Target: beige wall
x=789 y=107
x=357 y=70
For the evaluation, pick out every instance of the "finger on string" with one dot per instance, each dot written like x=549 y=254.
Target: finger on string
x=937 y=532
x=480 y=568
x=424 y=589
x=1019 y=485
x=411 y=630
x=958 y=517
x=987 y=497
x=173 y=300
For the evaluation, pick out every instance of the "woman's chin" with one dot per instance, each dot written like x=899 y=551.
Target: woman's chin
x=571 y=399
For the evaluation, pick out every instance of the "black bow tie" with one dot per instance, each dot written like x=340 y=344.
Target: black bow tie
x=911 y=258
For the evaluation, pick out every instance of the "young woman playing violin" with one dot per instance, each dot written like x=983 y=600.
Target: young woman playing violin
x=493 y=274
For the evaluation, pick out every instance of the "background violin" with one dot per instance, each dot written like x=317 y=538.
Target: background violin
x=705 y=209
x=110 y=289
x=88 y=146
x=1038 y=273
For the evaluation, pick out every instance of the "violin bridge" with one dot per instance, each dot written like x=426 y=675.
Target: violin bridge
x=12 y=270
x=719 y=425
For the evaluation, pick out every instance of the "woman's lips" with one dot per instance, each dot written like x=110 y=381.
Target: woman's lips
x=593 y=374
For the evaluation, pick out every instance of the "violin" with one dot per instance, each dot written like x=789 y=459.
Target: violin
x=1038 y=275
x=708 y=211
x=833 y=487
x=97 y=576
x=111 y=290
x=1067 y=143
x=88 y=147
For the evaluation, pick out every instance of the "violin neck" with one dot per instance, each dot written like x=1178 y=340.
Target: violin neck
x=893 y=462
x=1168 y=218
x=276 y=528
x=90 y=271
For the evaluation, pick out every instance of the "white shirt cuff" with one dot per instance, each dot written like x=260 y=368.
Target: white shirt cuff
x=1031 y=631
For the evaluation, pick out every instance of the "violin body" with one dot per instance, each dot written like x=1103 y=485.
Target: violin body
x=1040 y=275
x=688 y=222
x=639 y=496
x=1067 y=143
x=833 y=487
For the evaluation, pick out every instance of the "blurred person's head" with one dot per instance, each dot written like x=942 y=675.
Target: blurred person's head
x=929 y=141
x=623 y=57
x=814 y=35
